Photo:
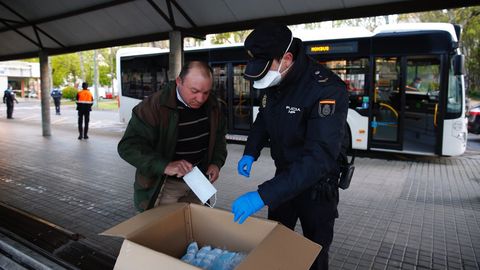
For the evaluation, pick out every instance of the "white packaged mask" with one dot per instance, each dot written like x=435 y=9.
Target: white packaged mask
x=200 y=185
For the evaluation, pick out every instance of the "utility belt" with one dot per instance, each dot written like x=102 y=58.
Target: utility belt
x=327 y=188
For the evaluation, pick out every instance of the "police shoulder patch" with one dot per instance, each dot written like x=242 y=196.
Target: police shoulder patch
x=326 y=107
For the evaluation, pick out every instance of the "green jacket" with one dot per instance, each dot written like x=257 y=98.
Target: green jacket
x=151 y=135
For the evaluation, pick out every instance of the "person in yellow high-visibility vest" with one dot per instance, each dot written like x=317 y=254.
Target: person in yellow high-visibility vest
x=84 y=106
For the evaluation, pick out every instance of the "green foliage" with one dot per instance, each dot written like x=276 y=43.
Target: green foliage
x=31 y=60
x=474 y=94
x=226 y=38
x=69 y=92
x=103 y=72
x=312 y=26
x=108 y=104
x=65 y=69
x=369 y=23
x=105 y=66
x=221 y=38
x=240 y=36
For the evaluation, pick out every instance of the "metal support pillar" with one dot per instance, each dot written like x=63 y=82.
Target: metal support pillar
x=176 y=55
x=45 y=97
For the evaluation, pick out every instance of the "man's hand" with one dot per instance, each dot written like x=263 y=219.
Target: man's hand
x=245 y=165
x=246 y=205
x=178 y=168
x=212 y=172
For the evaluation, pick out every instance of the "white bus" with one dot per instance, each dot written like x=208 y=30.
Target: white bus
x=405 y=81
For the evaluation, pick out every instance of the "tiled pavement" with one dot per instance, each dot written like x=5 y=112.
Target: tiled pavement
x=399 y=213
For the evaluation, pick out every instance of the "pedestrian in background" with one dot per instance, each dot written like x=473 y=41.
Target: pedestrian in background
x=84 y=106
x=302 y=116
x=170 y=132
x=9 y=98
x=56 y=94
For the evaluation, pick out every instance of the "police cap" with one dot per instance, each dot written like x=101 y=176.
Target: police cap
x=267 y=42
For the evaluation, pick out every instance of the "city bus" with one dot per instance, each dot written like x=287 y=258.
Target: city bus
x=405 y=84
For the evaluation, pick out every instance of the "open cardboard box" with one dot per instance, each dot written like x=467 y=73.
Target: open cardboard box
x=157 y=238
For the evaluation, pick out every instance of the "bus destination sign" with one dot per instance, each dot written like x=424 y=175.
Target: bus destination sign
x=333 y=47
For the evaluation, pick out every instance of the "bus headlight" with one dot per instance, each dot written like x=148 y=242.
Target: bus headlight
x=462 y=136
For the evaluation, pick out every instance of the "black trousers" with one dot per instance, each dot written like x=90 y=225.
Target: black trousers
x=81 y=115
x=317 y=216
x=9 y=110
x=56 y=101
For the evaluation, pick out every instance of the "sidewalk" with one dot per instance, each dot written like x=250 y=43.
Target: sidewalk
x=398 y=214
x=29 y=111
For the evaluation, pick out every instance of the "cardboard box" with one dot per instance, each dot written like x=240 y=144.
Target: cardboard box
x=157 y=238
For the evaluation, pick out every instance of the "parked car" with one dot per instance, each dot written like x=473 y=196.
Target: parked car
x=474 y=120
x=103 y=92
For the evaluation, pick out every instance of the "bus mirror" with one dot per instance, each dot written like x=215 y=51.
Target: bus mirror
x=459 y=64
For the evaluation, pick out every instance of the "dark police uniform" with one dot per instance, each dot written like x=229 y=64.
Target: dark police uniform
x=304 y=119
x=57 y=96
x=9 y=98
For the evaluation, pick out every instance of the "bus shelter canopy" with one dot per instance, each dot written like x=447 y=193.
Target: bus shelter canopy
x=61 y=26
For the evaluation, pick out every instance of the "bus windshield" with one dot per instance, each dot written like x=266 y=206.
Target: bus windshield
x=423 y=74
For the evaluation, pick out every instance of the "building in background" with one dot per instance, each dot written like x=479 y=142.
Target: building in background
x=24 y=77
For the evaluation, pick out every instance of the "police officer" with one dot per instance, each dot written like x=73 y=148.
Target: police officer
x=9 y=98
x=56 y=94
x=84 y=106
x=303 y=115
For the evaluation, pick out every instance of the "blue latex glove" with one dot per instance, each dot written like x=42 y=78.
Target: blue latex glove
x=245 y=165
x=246 y=205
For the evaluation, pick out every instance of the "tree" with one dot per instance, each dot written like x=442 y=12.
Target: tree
x=369 y=23
x=69 y=68
x=230 y=37
x=82 y=66
x=65 y=69
x=222 y=38
x=240 y=36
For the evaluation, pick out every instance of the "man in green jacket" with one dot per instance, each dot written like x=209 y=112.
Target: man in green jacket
x=172 y=131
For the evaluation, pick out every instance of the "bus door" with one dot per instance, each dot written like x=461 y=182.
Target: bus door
x=405 y=111
x=386 y=105
x=241 y=106
x=220 y=88
x=233 y=93
x=422 y=114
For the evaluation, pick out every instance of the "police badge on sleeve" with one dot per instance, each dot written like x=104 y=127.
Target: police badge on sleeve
x=326 y=107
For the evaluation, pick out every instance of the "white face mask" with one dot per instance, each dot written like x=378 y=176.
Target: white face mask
x=200 y=185
x=273 y=77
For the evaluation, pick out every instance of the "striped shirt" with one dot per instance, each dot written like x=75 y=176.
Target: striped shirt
x=193 y=134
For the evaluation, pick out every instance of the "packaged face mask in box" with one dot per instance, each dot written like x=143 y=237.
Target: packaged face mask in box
x=200 y=185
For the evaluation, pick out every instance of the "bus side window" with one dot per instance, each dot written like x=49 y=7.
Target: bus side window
x=354 y=72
